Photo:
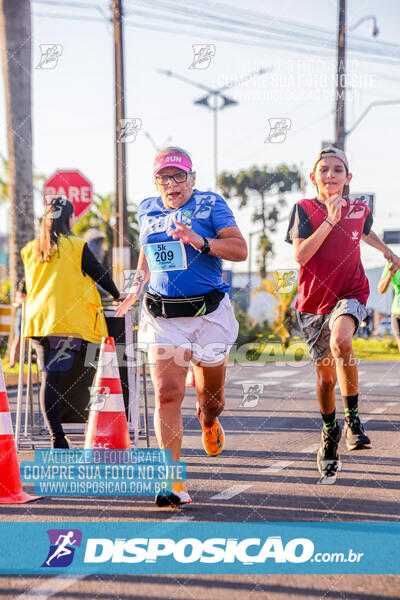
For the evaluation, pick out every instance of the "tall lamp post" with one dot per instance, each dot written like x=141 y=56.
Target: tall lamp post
x=121 y=246
x=340 y=130
x=249 y=261
x=215 y=101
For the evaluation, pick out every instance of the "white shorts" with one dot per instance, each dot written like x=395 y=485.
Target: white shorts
x=209 y=337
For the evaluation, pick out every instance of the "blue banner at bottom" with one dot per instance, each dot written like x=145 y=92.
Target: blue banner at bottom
x=190 y=548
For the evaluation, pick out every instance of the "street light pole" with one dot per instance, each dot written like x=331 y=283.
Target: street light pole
x=341 y=74
x=249 y=261
x=215 y=110
x=121 y=245
x=215 y=101
x=340 y=128
x=366 y=111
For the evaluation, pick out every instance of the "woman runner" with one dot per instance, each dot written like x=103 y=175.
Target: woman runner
x=187 y=314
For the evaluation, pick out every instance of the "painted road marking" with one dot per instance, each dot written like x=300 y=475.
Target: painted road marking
x=279 y=373
x=283 y=464
x=310 y=449
x=230 y=492
x=253 y=382
x=380 y=384
x=275 y=468
x=303 y=384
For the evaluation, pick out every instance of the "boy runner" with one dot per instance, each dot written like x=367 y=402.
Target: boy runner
x=333 y=291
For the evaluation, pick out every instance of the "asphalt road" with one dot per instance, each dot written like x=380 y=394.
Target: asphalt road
x=267 y=472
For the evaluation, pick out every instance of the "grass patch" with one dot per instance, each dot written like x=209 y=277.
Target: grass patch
x=384 y=348
x=274 y=352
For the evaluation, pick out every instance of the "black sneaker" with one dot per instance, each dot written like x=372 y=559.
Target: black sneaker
x=328 y=457
x=356 y=438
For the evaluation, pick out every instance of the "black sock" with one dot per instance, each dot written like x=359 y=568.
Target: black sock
x=350 y=404
x=329 y=420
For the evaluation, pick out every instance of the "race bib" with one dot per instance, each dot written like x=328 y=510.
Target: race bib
x=166 y=256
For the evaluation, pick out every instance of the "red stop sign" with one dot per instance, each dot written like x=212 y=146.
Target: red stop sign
x=74 y=186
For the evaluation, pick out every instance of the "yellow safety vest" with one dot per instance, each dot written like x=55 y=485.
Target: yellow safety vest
x=61 y=300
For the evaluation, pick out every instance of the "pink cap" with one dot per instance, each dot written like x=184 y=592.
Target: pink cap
x=172 y=160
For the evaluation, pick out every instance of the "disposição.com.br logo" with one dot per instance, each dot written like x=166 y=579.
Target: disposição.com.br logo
x=63 y=543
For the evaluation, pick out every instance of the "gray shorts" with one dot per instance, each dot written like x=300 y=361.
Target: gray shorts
x=317 y=328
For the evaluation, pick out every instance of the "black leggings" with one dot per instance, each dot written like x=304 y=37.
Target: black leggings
x=55 y=355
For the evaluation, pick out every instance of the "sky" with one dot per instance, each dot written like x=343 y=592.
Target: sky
x=73 y=104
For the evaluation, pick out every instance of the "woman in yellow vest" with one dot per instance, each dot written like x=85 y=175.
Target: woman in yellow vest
x=63 y=310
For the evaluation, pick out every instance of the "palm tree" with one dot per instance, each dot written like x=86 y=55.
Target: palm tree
x=101 y=216
x=15 y=39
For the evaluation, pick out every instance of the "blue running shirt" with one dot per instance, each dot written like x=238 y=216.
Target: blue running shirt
x=206 y=213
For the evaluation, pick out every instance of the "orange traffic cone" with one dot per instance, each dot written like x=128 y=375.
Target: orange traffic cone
x=10 y=479
x=107 y=425
x=190 y=381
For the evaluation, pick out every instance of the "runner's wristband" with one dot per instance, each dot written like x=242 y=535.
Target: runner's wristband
x=205 y=249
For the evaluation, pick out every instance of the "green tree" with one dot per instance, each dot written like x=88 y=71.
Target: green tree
x=101 y=216
x=269 y=187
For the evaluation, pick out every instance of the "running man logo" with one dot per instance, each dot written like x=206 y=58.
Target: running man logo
x=58 y=205
x=203 y=54
x=132 y=279
x=356 y=210
x=204 y=205
x=50 y=53
x=99 y=395
x=63 y=543
x=61 y=357
x=251 y=394
x=128 y=129
x=286 y=281
x=278 y=129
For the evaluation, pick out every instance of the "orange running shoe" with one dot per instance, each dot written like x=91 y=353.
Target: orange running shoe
x=213 y=437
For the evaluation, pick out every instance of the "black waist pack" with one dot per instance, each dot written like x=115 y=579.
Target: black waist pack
x=192 y=306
